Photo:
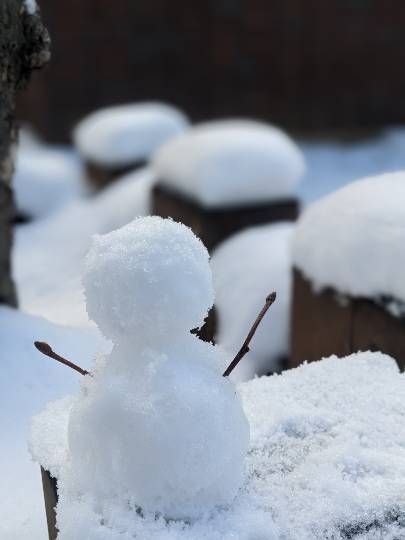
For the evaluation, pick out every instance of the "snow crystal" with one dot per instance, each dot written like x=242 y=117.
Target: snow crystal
x=231 y=162
x=326 y=460
x=123 y=134
x=352 y=240
x=150 y=278
x=246 y=268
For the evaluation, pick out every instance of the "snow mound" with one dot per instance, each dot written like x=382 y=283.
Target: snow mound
x=46 y=179
x=352 y=240
x=246 y=268
x=326 y=460
x=60 y=242
x=231 y=162
x=123 y=134
x=150 y=278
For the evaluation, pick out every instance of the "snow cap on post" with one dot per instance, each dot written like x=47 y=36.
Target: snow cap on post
x=119 y=135
x=150 y=278
x=352 y=239
x=231 y=162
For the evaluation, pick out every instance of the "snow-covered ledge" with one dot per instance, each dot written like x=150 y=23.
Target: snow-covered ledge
x=326 y=460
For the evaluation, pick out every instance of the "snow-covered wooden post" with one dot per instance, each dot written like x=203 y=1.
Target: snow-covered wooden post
x=119 y=139
x=349 y=286
x=24 y=46
x=222 y=177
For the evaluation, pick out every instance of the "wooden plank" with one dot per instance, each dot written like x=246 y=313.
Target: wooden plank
x=375 y=329
x=51 y=499
x=321 y=326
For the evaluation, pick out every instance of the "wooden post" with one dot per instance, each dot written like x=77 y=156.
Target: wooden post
x=51 y=500
x=215 y=225
x=323 y=324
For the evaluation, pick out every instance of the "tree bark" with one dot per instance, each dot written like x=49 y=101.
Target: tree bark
x=24 y=47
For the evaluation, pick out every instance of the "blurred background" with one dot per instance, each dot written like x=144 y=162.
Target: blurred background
x=310 y=66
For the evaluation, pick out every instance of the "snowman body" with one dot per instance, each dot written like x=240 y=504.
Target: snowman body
x=157 y=425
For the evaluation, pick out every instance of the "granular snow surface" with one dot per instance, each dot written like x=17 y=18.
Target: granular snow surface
x=326 y=461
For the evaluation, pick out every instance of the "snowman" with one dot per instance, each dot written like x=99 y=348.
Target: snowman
x=156 y=425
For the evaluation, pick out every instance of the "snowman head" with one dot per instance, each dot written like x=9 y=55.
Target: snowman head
x=147 y=281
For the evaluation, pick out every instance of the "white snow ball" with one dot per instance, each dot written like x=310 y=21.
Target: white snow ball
x=353 y=239
x=120 y=135
x=148 y=279
x=246 y=268
x=164 y=431
x=231 y=162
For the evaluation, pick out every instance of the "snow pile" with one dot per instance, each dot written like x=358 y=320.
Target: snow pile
x=352 y=240
x=246 y=268
x=28 y=380
x=45 y=179
x=231 y=162
x=121 y=135
x=50 y=285
x=157 y=427
x=326 y=460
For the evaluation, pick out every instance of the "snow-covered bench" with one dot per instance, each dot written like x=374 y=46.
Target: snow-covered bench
x=223 y=176
x=115 y=140
x=349 y=282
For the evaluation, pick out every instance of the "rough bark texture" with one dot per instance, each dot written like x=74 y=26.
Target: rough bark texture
x=24 y=46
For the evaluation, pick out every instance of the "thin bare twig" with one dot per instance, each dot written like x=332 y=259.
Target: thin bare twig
x=245 y=347
x=46 y=349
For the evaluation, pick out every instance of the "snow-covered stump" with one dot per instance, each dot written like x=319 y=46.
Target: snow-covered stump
x=119 y=139
x=222 y=177
x=349 y=288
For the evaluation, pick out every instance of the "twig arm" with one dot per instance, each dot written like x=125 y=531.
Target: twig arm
x=245 y=347
x=46 y=349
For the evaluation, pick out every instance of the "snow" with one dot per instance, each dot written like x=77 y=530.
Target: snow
x=48 y=258
x=46 y=177
x=28 y=381
x=50 y=285
x=31 y=6
x=123 y=134
x=352 y=239
x=326 y=460
x=156 y=426
x=150 y=278
x=246 y=268
x=231 y=162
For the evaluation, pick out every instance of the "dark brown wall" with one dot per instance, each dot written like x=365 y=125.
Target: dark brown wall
x=306 y=64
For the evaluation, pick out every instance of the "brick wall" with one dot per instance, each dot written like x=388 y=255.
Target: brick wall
x=305 y=64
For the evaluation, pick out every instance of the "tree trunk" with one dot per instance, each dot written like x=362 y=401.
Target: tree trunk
x=24 y=46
